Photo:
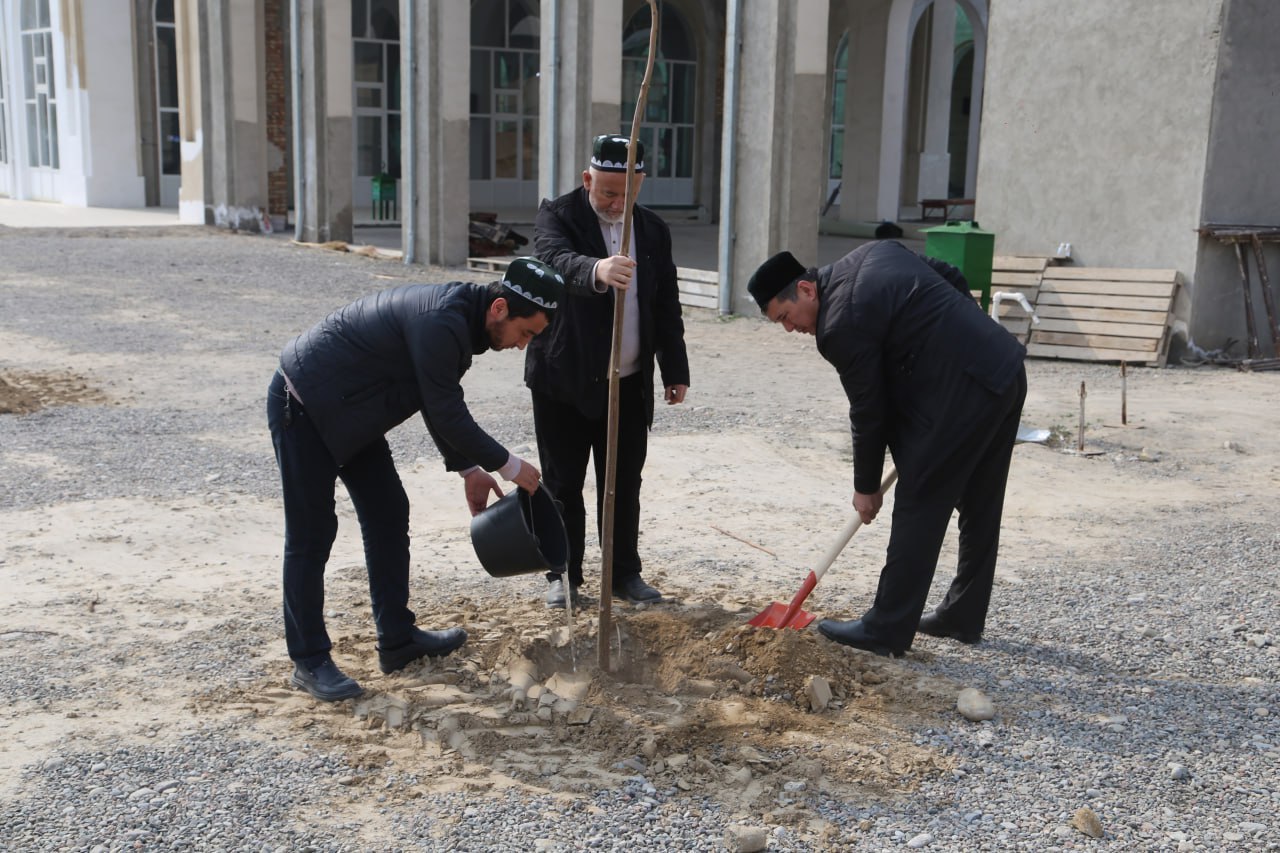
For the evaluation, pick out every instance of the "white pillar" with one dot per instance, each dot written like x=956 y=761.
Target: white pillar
x=778 y=142
x=935 y=160
x=325 y=109
x=191 y=207
x=436 y=132
x=864 y=113
x=586 y=99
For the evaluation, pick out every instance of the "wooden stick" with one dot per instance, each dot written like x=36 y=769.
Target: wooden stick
x=1242 y=261
x=1080 y=432
x=615 y=369
x=1267 y=300
x=1124 y=396
x=743 y=541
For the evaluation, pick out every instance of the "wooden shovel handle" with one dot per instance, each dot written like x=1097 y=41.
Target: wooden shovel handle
x=850 y=528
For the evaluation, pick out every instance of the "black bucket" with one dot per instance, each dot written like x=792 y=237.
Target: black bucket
x=521 y=533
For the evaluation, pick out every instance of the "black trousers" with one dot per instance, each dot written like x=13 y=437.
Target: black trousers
x=980 y=470
x=566 y=438
x=308 y=475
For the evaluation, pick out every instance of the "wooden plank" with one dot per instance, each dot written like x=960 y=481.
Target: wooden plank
x=1113 y=288
x=694 y=300
x=1093 y=327
x=1017 y=263
x=1022 y=279
x=1088 y=354
x=489 y=264
x=1100 y=300
x=1071 y=339
x=1010 y=309
x=698 y=287
x=1114 y=315
x=1018 y=327
x=1111 y=274
x=694 y=274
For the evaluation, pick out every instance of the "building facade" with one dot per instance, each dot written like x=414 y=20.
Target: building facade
x=763 y=116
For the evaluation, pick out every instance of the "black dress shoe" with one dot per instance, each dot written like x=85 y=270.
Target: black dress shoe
x=854 y=633
x=421 y=644
x=636 y=591
x=325 y=681
x=933 y=625
x=555 y=594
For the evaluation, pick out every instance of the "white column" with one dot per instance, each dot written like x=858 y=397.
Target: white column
x=325 y=108
x=935 y=160
x=586 y=99
x=191 y=206
x=436 y=129
x=778 y=141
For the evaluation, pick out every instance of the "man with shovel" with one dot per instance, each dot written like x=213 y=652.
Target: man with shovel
x=567 y=369
x=932 y=379
x=339 y=389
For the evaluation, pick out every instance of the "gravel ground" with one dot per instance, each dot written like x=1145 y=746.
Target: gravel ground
x=1139 y=680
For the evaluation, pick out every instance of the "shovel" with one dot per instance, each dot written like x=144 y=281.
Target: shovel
x=779 y=615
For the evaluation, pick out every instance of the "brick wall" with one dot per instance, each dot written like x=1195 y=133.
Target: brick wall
x=279 y=193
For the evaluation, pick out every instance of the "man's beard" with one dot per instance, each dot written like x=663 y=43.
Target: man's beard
x=610 y=218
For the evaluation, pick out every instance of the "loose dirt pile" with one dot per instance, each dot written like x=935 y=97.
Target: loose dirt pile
x=22 y=393
x=697 y=700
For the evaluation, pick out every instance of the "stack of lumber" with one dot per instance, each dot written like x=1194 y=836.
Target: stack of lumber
x=1102 y=314
x=1013 y=274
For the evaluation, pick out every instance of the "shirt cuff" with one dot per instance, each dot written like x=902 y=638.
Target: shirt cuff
x=511 y=470
x=467 y=471
x=595 y=284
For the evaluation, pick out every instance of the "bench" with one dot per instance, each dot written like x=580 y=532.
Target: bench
x=1103 y=314
x=943 y=206
x=698 y=288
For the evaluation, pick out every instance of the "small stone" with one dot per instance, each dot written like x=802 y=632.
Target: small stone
x=865 y=824
x=1087 y=822
x=745 y=839
x=920 y=840
x=1252 y=828
x=974 y=705
x=819 y=692
x=348 y=781
x=142 y=794
x=1233 y=836
x=794 y=787
x=1177 y=771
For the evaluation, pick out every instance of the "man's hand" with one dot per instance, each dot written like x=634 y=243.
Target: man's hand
x=615 y=271
x=527 y=477
x=868 y=506
x=674 y=394
x=477 y=485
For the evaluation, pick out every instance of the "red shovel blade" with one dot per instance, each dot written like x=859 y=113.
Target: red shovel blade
x=778 y=615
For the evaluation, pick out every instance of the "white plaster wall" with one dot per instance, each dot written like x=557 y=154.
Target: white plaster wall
x=100 y=157
x=1095 y=127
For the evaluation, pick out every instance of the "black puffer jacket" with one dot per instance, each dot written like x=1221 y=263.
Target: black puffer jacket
x=919 y=360
x=369 y=366
x=570 y=361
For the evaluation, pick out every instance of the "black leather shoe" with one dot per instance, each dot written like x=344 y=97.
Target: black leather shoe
x=325 y=681
x=555 y=594
x=636 y=591
x=854 y=633
x=933 y=625
x=421 y=644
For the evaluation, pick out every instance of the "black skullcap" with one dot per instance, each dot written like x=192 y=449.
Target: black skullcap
x=536 y=282
x=609 y=153
x=773 y=276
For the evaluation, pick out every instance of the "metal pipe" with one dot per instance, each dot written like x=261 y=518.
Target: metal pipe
x=553 y=106
x=728 y=155
x=409 y=132
x=295 y=50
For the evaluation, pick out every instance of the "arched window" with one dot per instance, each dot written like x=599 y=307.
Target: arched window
x=375 y=29
x=167 y=88
x=504 y=90
x=667 y=127
x=839 y=81
x=39 y=96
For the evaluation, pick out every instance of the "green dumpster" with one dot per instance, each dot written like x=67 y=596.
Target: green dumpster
x=968 y=248
x=384 y=196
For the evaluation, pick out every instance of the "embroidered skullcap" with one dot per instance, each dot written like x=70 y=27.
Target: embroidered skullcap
x=533 y=280
x=773 y=276
x=609 y=153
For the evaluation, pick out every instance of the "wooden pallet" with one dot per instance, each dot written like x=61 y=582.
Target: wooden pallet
x=1013 y=274
x=1101 y=314
x=698 y=288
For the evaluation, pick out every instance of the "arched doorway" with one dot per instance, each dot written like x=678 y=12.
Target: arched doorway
x=504 y=103
x=667 y=127
x=375 y=31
